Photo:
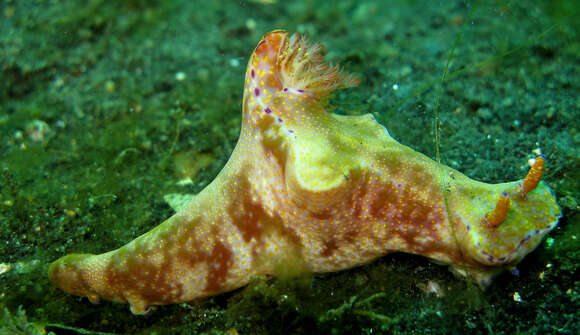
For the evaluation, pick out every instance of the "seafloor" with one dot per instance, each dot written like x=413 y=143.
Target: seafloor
x=106 y=105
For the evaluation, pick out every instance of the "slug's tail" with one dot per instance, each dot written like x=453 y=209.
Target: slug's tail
x=69 y=273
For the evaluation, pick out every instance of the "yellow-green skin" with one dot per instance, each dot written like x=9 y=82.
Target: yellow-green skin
x=308 y=190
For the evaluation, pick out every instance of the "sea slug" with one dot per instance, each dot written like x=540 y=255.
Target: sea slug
x=318 y=192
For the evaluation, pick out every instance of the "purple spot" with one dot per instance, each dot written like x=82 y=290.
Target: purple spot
x=285 y=90
x=268 y=110
x=279 y=120
x=490 y=258
x=504 y=193
x=256 y=91
x=537 y=231
x=501 y=259
x=301 y=90
x=253 y=73
x=515 y=272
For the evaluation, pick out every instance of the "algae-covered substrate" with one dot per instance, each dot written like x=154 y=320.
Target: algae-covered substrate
x=107 y=107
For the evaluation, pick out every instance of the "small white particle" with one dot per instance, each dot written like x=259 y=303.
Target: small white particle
x=395 y=87
x=4 y=267
x=251 y=24
x=517 y=297
x=180 y=76
x=234 y=62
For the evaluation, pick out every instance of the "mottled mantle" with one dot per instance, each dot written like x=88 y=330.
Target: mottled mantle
x=314 y=191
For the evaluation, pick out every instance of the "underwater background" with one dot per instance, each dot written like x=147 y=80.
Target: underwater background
x=106 y=105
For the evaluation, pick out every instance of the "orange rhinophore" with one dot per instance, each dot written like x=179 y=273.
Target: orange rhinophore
x=533 y=177
x=499 y=214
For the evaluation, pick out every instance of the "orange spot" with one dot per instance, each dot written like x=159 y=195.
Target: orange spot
x=499 y=214
x=534 y=176
x=270 y=43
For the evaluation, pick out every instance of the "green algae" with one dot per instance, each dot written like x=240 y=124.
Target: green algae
x=104 y=77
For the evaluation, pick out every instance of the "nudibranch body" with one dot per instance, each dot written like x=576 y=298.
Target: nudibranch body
x=314 y=191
